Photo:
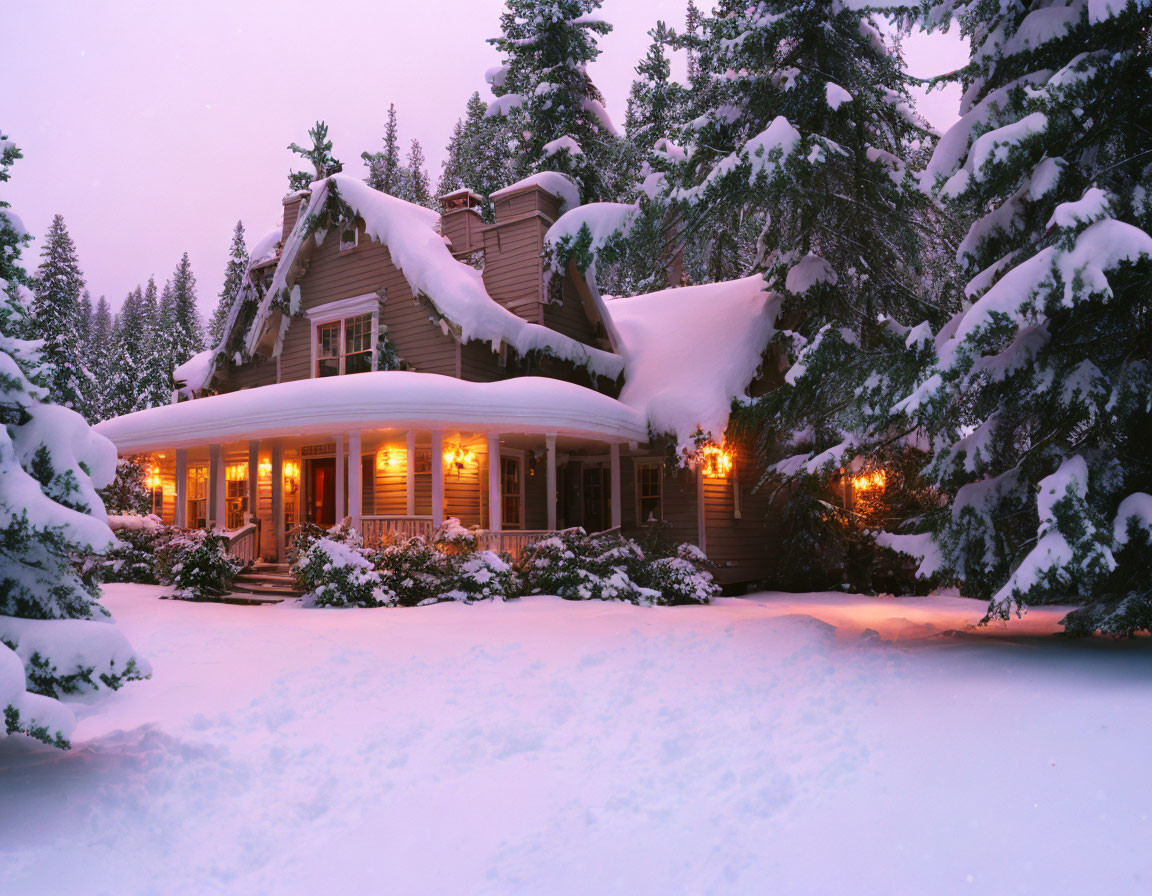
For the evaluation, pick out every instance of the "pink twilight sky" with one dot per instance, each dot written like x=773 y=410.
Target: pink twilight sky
x=152 y=127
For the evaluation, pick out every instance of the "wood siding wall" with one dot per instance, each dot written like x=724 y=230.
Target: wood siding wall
x=513 y=268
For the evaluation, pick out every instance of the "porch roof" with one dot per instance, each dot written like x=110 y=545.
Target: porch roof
x=383 y=399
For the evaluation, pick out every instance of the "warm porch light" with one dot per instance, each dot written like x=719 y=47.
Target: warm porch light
x=265 y=469
x=152 y=478
x=866 y=482
x=458 y=457
x=291 y=471
x=715 y=460
x=387 y=459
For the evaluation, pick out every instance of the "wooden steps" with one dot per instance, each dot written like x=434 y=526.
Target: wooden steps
x=264 y=583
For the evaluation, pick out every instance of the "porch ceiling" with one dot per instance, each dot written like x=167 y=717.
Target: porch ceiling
x=385 y=399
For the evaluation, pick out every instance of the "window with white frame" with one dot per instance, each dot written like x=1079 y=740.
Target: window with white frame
x=649 y=491
x=349 y=236
x=344 y=335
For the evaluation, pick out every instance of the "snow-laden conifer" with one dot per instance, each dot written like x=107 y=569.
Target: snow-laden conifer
x=55 y=316
x=233 y=280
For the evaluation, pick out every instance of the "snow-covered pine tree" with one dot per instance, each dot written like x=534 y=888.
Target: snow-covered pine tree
x=131 y=336
x=178 y=336
x=478 y=156
x=50 y=464
x=543 y=84
x=691 y=32
x=319 y=154
x=1040 y=398
x=384 y=167
x=415 y=185
x=154 y=377
x=90 y=402
x=653 y=113
x=796 y=169
x=233 y=278
x=55 y=315
x=84 y=324
x=99 y=357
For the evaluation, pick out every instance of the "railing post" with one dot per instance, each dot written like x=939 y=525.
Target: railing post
x=253 y=475
x=278 y=498
x=550 y=445
x=614 y=474
x=495 y=499
x=410 y=470
x=355 y=485
x=437 y=478
x=181 y=516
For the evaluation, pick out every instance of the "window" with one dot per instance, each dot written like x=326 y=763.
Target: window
x=349 y=236
x=344 y=346
x=649 y=488
x=510 y=492
x=197 y=497
x=236 y=495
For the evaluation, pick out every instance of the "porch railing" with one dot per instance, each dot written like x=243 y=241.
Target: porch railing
x=244 y=543
x=512 y=541
x=377 y=527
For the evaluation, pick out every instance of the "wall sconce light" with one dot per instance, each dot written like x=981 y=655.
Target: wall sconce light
x=388 y=459
x=715 y=461
x=866 y=482
x=458 y=457
x=265 y=469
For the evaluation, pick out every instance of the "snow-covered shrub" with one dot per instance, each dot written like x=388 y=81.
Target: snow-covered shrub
x=198 y=564
x=338 y=574
x=129 y=492
x=454 y=539
x=306 y=534
x=683 y=579
x=553 y=565
x=414 y=570
x=133 y=558
x=483 y=576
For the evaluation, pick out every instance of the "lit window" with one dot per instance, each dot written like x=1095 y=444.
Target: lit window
x=197 y=497
x=510 y=491
x=649 y=486
x=344 y=346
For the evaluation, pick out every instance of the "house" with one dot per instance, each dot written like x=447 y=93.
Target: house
x=398 y=366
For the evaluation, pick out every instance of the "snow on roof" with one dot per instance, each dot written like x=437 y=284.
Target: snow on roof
x=690 y=351
x=265 y=249
x=552 y=182
x=456 y=290
x=397 y=399
x=196 y=371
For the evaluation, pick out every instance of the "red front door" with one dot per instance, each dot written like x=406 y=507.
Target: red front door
x=322 y=491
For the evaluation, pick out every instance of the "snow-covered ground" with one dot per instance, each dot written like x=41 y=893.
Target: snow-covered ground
x=775 y=744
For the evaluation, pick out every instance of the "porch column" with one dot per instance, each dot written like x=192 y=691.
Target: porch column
x=253 y=476
x=550 y=479
x=278 y=498
x=216 y=486
x=181 y=516
x=437 y=478
x=340 y=474
x=495 y=499
x=355 y=480
x=410 y=471
x=701 y=510
x=614 y=475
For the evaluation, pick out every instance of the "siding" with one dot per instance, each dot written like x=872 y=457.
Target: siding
x=260 y=372
x=513 y=269
x=743 y=547
x=678 y=498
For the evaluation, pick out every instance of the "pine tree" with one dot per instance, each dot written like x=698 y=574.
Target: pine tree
x=384 y=169
x=99 y=359
x=692 y=31
x=233 y=279
x=178 y=334
x=653 y=114
x=55 y=316
x=131 y=334
x=1039 y=393
x=50 y=466
x=154 y=376
x=415 y=186
x=319 y=153
x=478 y=156
x=544 y=87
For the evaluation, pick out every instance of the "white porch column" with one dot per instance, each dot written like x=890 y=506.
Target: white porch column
x=614 y=476
x=437 y=478
x=340 y=475
x=410 y=471
x=253 y=478
x=278 y=498
x=550 y=479
x=355 y=479
x=216 y=487
x=495 y=499
x=181 y=517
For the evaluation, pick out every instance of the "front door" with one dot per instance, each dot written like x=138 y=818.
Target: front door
x=322 y=491
x=510 y=485
x=596 y=498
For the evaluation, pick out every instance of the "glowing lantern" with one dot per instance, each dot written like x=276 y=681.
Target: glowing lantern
x=265 y=469
x=387 y=459
x=292 y=471
x=715 y=461
x=458 y=457
x=870 y=481
x=152 y=478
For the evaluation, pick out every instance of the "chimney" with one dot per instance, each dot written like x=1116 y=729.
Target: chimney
x=460 y=221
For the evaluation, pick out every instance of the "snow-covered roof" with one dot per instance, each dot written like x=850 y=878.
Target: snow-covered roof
x=456 y=290
x=396 y=399
x=196 y=371
x=690 y=352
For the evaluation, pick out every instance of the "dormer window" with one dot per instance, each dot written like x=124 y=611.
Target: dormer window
x=344 y=335
x=349 y=235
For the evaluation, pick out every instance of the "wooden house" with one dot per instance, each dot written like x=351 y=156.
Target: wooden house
x=398 y=366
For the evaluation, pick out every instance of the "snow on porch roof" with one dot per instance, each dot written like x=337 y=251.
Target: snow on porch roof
x=689 y=352
x=384 y=399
